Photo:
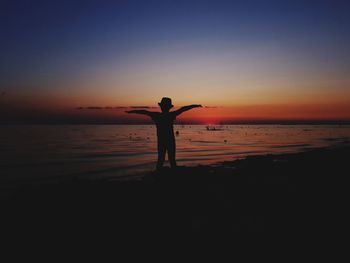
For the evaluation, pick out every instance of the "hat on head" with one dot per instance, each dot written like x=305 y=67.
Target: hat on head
x=166 y=102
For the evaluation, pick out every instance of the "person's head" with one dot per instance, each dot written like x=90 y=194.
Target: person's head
x=165 y=104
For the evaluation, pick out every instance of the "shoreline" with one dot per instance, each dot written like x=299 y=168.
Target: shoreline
x=269 y=193
x=295 y=195
x=15 y=188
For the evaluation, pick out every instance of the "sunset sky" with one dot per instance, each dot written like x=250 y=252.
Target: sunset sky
x=243 y=60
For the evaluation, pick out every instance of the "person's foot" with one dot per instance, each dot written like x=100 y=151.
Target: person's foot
x=173 y=165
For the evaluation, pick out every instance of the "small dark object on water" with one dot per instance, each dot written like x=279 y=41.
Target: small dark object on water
x=177 y=133
x=213 y=128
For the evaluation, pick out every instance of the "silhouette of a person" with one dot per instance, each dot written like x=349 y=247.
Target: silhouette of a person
x=165 y=132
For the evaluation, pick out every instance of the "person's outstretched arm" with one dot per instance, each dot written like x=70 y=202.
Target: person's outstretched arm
x=186 y=108
x=143 y=112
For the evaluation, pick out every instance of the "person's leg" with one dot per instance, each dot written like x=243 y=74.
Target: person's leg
x=161 y=155
x=171 y=153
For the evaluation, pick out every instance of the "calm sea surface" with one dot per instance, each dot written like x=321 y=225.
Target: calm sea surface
x=42 y=151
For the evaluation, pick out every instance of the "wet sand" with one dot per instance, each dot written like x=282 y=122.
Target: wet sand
x=290 y=193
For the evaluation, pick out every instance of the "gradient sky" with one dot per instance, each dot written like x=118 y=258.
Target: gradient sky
x=245 y=60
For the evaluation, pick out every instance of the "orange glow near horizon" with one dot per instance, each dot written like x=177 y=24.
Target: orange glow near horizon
x=238 y=113
x=336 y=108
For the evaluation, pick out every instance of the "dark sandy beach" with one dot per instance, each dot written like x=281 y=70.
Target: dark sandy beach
x=292 y=193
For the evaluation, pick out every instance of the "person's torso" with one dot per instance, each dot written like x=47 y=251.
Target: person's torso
x=164 y=123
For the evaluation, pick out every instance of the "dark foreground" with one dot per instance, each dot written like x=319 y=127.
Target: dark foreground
x=292 y=193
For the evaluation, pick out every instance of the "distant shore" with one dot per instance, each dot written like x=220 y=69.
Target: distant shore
x=271 y=193
x=113 y=122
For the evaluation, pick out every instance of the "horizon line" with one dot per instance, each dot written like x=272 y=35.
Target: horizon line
x=238 y=122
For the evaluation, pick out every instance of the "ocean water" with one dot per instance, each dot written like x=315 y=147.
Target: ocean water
x=44 y=152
